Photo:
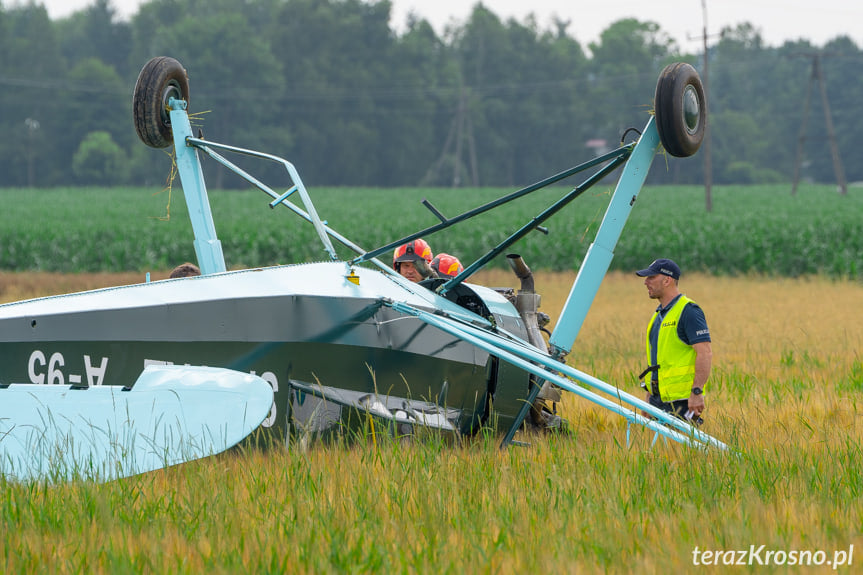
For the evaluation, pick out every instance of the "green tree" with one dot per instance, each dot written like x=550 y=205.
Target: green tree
x=94 y=95
x=625 y=66
x=236 y=84
x=548 y=116
x=33 y=75
x=483 y=52
x=417 y=113
x=743 y=95
x=840 y=59
x=97 y=32
x=738 y=146
x=524 y=93
x=99 y=160
x=330 y=86
x=338 y=69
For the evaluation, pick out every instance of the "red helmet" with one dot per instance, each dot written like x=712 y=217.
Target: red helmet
x=411 y=252
x=447 y=266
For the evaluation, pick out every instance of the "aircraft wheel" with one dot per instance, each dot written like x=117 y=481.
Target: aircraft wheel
x=161 y=79
x=681 y=109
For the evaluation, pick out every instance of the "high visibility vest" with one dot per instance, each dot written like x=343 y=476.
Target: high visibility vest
x=676 y=359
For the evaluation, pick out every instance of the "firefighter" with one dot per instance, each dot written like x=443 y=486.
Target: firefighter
x=446 y=266
x=412 y=260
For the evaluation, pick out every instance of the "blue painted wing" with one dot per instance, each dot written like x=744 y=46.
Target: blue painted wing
x=172 y=414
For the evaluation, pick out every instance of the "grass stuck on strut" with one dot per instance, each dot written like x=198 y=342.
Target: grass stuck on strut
x=785 y=392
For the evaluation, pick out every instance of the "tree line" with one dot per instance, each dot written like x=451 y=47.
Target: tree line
x=332 y=87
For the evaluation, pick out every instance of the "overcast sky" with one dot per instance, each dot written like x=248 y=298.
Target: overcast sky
x=778 y=20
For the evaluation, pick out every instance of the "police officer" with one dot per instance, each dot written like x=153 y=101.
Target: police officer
x=678 y=345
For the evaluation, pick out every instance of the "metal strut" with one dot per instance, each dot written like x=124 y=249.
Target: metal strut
x=598 y=258
x=533 y=361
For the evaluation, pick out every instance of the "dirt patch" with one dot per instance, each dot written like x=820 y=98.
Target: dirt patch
x=15 y=286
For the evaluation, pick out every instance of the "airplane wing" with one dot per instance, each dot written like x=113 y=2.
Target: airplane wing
x=172 y=414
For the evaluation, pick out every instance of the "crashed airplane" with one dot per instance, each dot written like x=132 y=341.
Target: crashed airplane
x=347 y=335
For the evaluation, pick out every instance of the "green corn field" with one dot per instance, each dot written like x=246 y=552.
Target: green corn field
x=751 y=230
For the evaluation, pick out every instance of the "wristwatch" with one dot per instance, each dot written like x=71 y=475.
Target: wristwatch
x=697 y=391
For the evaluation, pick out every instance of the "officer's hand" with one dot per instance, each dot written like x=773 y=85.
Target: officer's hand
x=696 y=404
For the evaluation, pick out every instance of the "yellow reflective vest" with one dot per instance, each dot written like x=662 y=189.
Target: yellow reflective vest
x=675 y=358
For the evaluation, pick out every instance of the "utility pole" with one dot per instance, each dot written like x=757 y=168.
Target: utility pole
x=818 y=76
x=831 y=133
x=32 y=126
x=798 y=157
x=708 y=164
x=471 y=150
x=459 y=130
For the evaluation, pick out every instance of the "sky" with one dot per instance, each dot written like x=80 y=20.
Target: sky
x=777 y=20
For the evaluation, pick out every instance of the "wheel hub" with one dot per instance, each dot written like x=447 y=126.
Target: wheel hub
x=691 y=113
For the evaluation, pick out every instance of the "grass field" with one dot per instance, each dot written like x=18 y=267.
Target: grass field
x=755 y=229
x=785 y=391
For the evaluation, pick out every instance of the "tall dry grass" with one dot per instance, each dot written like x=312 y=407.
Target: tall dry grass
x=784 y=392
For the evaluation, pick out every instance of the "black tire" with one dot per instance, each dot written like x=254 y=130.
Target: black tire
x=681 y=110
x=160 y=79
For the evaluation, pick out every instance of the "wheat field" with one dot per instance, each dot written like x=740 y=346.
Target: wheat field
x=787 y=377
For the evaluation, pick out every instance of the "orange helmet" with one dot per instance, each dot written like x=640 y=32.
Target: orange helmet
x=411 y=252
x=447 y=266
